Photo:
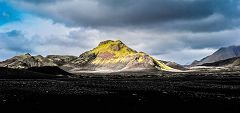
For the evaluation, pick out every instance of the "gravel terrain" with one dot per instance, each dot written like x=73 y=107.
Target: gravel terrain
x=181 y=94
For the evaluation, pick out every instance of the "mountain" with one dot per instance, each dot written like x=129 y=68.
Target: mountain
x=28 y=61
x=231 y=62
x=115 y=56
x=221 y=54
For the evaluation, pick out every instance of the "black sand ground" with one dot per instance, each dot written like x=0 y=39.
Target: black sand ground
x=191 y=94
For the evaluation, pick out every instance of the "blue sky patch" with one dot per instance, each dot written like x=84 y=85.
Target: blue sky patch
x=8 y=13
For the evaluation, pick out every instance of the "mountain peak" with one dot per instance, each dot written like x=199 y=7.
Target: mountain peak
x=110 y=41
x=23 y=56
x=115 y=55
x=28 y=54
x=112 y=48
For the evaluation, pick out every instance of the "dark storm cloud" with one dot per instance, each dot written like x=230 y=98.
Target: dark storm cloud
x=140 y=13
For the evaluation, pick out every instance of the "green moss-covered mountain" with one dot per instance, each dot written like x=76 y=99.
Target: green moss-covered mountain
x=116 y=56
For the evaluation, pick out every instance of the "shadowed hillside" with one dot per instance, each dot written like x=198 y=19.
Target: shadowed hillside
x=35 y=73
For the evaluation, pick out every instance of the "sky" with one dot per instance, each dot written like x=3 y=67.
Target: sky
x=175 y=30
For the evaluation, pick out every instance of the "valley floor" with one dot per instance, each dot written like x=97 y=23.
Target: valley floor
x=182 y=94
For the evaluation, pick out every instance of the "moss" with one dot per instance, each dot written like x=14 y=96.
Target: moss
x=120 y=53
x=117 y=48
x=161 y=65
x=109 y=46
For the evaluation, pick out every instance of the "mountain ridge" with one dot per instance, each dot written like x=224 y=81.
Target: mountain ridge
x=231 y=62
x=221 y=54
x=109 y=55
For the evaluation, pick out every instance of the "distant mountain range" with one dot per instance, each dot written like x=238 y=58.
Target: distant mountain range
x=226 y=53
x=231 y=62
x=110 y=56
x=107 y=56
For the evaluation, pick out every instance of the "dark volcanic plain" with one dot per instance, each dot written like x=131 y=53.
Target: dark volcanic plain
x=174 y=92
